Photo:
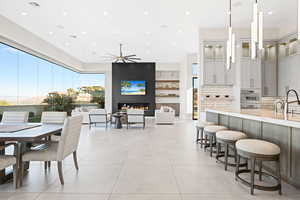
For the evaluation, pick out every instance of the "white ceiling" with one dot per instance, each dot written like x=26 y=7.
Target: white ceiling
x=155 y=30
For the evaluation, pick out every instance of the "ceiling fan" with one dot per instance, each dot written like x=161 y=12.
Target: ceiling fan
x=122 y=58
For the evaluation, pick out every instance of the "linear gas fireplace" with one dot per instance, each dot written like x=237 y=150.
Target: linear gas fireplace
x=125 y=106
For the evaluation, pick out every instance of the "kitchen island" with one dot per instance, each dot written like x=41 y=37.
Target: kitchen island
x=267 y=125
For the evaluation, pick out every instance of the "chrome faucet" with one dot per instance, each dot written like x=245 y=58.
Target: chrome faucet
x=287 y=102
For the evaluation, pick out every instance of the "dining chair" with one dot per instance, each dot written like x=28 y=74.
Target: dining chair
x=58 y=151
x=9 y=160
x=135 y=116
x=98 y=116
x=15 y=117
x=53 y=117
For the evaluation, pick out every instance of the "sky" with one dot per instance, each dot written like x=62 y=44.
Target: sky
x=27 y=76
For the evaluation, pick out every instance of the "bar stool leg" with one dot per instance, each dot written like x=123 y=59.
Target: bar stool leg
x=238 y=159
x=218 y=149
x=226 y=156
x=197 y=137
x=252 y=174
x=211 y=145
x=279 y=176
x=201 y=141
x=260 y=170
x=205 y=143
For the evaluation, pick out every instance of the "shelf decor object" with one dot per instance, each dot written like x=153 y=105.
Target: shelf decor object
x=230 y=42
x=256 y=31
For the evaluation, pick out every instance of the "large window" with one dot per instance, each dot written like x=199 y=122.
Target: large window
x=29 y=80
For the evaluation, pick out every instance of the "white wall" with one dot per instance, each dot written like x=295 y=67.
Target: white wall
x=186 y=86
x=14 y=35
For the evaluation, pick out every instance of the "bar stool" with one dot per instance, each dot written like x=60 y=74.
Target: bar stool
x=258 y=150
x=228 y=138
x=210 y=135
x=200 y=126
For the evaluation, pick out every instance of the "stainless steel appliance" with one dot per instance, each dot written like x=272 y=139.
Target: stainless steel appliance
x=250 y=99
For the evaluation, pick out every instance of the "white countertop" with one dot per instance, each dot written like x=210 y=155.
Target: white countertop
x=262 y=115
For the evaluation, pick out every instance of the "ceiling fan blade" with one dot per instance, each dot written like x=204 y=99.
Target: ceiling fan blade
x=130 y=56
x=110 y=54
x=135 y=58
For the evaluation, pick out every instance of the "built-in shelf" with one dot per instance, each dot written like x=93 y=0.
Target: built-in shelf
x=167 y=81
x=168 y=96
x=167 y=88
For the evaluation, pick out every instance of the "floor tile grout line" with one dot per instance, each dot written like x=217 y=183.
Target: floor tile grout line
x=116 y=182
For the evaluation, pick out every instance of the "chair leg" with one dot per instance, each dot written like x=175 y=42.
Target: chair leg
x=60 y=172
x=21 y=173
x=252 y=175
x=16 y=176
x=45 y=165
x=75 y=160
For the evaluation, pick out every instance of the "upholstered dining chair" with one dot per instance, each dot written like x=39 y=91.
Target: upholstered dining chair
x=53 y=117
x=98 y=116
x=9 y=160
x=135 y=116
x=58 y=151
x=15 y=117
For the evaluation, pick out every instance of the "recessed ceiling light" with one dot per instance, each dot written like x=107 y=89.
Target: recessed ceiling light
x=83 y=32
x=34 y=4
x=174 y=43
x=73 y=36
x=60 y=26
x=180 y=31
x=187 y=12
x=65 y=13
x=148 y=33
x=50 y=33
x=24 y=13
x=270 y=13
x=146 y=12
x=105 y=13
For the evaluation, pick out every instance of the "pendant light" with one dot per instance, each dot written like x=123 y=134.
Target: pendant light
x=230 y=58
x=256 y=31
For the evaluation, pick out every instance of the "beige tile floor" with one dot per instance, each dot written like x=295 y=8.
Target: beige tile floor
x=160 y=162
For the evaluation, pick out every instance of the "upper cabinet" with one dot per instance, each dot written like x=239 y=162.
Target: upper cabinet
x=250 y=69
x=269 y=69
x=215 y=72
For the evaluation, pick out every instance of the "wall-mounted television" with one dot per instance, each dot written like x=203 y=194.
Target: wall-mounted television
x=129 y=88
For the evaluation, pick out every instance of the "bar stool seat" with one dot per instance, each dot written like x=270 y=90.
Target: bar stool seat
x=258 y=147
x=210 y=135
x=258 y=150
x=228 y=138
x=200 y=126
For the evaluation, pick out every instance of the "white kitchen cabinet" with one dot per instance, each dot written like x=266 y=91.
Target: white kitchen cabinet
x=250 y=73
x=269 y=71
x=215 y=72
x=209 y=73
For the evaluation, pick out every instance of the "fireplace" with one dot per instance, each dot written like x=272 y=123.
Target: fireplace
x=125 y=106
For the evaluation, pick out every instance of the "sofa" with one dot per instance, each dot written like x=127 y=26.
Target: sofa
x=165 y=115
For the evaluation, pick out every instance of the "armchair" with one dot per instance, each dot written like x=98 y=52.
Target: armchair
x=135 y=116
x=166 y=115
x=98 y=116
